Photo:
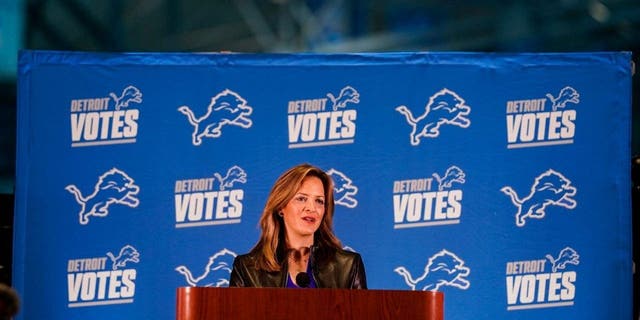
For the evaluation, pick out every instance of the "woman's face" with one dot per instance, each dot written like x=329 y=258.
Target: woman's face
x=303 y=213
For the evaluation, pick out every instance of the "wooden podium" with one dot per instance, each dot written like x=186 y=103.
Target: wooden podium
x=199 y=303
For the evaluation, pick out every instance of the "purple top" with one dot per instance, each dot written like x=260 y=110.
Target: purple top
x=312 y=281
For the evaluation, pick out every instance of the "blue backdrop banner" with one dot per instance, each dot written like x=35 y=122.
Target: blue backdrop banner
x=501 y=180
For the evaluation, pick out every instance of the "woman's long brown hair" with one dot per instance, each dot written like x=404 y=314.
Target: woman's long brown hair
x=271 y=242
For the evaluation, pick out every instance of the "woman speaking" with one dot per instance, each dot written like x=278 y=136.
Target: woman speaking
x=297 y=247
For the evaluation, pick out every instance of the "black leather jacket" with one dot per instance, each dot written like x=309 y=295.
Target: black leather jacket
x=345 y=270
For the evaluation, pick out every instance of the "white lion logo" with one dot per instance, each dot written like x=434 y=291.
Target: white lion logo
x=234 y=174
x=129 y=94
x=566 y=95
x=549 y=188
x=453 y=174
x=566 y=256
x=443 y=269
x=343 y=189
x=216 y=272
x=226 y=108
x=127 y=254
x=114 y=186
x=444 y=107
x=347 y=94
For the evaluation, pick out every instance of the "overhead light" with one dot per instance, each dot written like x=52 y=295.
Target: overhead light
x=599 y=11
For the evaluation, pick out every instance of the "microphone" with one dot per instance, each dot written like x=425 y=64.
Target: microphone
x=303 y=280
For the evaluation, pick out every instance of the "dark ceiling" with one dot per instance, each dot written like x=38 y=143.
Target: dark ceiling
x=332 y=25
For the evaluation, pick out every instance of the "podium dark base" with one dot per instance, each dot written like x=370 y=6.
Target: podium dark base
x=197 y=303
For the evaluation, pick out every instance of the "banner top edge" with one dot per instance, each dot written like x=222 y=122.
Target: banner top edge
x=45 y=57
